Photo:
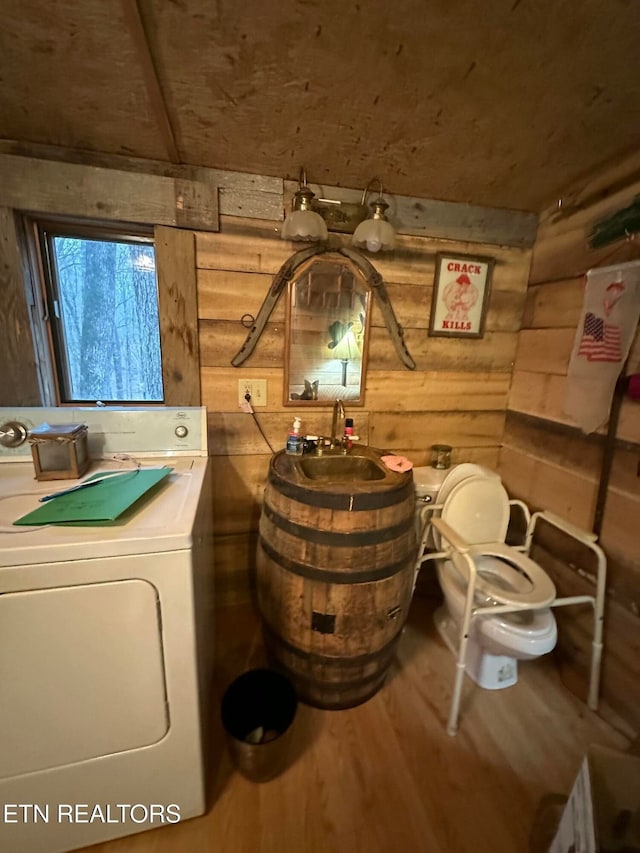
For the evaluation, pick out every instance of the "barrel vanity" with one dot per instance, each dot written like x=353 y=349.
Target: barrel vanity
x=335 y=571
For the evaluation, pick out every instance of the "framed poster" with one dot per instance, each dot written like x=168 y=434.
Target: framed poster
x=460 y=295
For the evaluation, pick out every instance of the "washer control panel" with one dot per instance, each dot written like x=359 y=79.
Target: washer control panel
x=150 y=431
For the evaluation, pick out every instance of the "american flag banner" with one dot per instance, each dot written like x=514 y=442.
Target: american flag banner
x=602 y=342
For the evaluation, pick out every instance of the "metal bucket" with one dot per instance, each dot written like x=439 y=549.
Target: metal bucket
x=258 y=710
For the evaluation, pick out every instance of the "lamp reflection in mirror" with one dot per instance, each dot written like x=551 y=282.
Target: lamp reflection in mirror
x=375 y=234
x=343 y=345
x=302 y=223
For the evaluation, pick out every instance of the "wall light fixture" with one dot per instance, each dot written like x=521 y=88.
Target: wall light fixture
x=311 y=218
x=302 y=223
x=376 y=233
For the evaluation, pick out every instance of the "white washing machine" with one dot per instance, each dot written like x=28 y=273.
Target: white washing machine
x=106 y=639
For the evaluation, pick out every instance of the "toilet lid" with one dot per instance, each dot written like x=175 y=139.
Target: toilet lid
x=478 y=510
x=459 y=473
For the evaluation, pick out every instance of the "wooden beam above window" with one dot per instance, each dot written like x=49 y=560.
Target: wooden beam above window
x=107 y=194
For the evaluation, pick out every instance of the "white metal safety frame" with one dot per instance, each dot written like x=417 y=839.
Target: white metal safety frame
x=457 y=545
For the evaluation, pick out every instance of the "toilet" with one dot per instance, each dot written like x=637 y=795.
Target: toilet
x=472 y=500
x=426 y=483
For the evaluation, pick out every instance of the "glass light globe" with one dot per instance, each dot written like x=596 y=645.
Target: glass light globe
x=375 y=235
x=304 y=225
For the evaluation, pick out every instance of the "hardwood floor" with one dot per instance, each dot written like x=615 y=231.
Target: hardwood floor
x=385 y=775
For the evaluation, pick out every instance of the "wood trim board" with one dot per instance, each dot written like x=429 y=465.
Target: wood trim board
x=43 y=186
x=178 y=309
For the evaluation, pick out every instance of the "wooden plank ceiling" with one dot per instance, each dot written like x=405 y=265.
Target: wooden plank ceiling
x=500 y=104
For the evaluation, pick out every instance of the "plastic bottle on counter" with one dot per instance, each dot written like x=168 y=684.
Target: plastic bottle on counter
x=348 y=433
x=294 y=439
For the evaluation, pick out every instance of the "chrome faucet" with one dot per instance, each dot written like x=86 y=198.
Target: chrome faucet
x=337 y=425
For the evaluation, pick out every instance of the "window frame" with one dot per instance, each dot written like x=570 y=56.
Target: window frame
x=48 y=332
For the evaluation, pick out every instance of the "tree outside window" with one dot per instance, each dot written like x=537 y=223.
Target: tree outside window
x=102 y=296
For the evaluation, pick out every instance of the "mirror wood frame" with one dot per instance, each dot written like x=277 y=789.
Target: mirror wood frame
x=338 y=330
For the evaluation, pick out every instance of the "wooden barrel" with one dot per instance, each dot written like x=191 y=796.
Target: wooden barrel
x=335 y=569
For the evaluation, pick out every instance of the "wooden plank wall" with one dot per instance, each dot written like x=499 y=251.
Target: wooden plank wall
x=550 y=464
x=19 y=383
x=457 y=394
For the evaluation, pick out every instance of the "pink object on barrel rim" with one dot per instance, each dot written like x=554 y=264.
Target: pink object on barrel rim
x=397 y=463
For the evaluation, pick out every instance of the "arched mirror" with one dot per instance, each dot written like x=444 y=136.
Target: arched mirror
x=328 y=309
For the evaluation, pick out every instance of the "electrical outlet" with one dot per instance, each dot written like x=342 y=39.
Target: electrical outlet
x=256 y=387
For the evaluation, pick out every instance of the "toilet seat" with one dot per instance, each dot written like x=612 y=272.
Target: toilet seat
x=524 y=583
x=499 y=580
x=529 y=624
x=478 y=509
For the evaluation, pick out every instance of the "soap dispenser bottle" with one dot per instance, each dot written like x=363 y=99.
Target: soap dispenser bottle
x=294 y=439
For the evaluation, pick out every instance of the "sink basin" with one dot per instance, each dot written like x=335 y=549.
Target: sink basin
x=341 y=469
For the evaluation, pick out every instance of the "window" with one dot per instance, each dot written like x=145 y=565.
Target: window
x=101 y=320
